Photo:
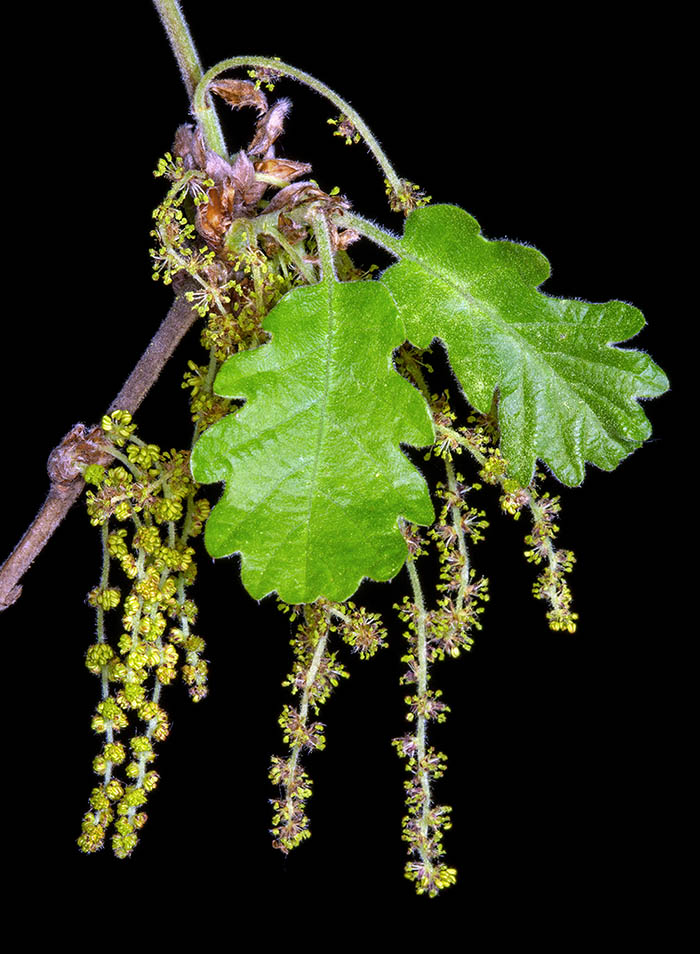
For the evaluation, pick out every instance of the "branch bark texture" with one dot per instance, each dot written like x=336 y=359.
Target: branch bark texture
x=81 y=446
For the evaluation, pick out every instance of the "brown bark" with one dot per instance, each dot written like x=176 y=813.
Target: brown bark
x=81 y=447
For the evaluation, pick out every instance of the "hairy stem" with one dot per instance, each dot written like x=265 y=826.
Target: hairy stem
x=181 y=41
x=187 y=58
x=308 y=685
x=289 y=814
x=383 y=238
x=461 y=539
x=422 y=688
x=325 y=250
x=462 y=441
x=555 y=591
x=202 y=107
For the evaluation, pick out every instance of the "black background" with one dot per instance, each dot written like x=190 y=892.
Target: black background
x=562 y=751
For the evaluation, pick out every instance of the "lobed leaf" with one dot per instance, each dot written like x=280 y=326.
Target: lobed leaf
x=315 y=478
x=565 y=393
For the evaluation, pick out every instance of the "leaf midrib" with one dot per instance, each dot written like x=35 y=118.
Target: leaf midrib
x=330 y=286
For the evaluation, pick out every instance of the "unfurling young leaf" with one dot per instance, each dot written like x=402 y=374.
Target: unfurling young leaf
x=315 y=478
x=566 y=395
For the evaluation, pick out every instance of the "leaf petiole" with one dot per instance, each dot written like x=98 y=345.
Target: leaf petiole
x=202 y=110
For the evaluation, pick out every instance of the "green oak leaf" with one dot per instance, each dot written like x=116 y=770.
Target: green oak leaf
x=565 y=394
x=315 y=478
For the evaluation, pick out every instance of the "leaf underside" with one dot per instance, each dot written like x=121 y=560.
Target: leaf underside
x=565 y=394
x=315 y=478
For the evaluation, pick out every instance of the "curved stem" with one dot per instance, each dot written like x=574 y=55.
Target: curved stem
x=202 y=109
x=387 y=240
x=187 y=58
